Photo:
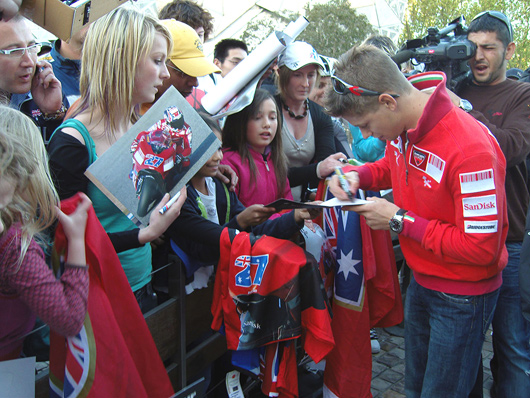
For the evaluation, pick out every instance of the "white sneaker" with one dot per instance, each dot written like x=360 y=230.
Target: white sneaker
x=376 y=347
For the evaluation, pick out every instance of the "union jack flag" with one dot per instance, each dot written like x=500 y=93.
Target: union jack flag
x=78 y=373
x=330 y=220
x=114 y=355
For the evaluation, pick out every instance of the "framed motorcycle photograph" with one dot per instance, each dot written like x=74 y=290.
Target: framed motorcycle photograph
x=158 y=155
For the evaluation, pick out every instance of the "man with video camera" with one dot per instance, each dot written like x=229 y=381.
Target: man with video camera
x=503 y=105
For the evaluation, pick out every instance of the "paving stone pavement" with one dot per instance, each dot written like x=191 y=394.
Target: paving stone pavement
x=388 y=366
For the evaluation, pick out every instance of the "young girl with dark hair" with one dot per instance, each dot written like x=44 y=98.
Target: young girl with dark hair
x=252 y=142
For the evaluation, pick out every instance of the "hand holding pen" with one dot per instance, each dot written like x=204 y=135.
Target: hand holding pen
x=343 y=186
x=343 y=182
x=158 y=223
x=169 y=203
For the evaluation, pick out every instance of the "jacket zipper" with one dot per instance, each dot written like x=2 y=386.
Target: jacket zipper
x=404 y=147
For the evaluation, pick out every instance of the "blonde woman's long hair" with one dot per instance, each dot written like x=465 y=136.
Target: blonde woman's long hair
x=114 y=45
x=23 y=160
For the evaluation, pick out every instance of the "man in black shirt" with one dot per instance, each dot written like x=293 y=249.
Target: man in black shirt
x=503 y=105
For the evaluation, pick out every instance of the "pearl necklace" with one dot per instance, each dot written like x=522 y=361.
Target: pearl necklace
x=297 y=117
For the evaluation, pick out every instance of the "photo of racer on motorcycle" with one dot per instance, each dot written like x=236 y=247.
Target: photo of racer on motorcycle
x=161 y=151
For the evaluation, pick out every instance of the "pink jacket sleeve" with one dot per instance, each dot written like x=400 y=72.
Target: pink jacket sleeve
x=60 y=303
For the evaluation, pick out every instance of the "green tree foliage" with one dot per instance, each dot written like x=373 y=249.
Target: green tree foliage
x=333 y=29
x=258 y=30
x=423 y=14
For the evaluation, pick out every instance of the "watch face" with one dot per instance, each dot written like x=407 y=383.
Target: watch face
x=396 y=225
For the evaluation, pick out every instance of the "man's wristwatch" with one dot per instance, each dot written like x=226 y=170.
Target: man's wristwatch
x=396 y=222
x=465 y=105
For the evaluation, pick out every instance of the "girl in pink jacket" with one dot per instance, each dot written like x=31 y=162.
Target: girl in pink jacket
x=252 y=142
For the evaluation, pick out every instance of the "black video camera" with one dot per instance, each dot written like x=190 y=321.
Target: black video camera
x=445 y=50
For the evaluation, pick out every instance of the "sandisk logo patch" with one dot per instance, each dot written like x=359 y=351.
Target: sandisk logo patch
x=480 y=206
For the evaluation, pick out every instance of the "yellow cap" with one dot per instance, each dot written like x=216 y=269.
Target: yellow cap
x=187 y=50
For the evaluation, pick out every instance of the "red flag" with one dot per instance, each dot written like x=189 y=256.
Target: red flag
x=348 y=372
x=114 y=355
x=382 y=283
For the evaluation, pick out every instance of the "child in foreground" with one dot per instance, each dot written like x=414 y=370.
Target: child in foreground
x=28 y=205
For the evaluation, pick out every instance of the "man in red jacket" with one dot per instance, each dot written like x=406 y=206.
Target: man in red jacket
x=447 y=174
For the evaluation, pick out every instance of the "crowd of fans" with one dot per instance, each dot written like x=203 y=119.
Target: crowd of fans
x=456 y=162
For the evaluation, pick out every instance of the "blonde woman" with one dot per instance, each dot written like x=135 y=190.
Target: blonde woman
x=123 y=65
x=28 y=205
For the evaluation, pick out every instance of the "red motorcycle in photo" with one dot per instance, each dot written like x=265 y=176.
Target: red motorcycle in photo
x=163 y=149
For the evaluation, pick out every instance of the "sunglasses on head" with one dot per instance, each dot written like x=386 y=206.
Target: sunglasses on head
x=499 y=16
x=343 y=88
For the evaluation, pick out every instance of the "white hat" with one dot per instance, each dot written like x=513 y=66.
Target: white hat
x=299 y=54
x=328 y=63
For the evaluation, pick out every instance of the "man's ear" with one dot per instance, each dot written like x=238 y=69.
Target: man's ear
x=388 y=101
x=510 y=50
x=217 y=63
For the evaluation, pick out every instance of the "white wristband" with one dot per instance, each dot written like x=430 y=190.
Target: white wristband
x=318 y=174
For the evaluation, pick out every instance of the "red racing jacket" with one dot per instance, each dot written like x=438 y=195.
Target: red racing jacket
x=449 y=174
x=268 y=290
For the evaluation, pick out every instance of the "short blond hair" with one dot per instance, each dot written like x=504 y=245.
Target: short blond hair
x=114 y=45
x=370 y=68
x=24 y=160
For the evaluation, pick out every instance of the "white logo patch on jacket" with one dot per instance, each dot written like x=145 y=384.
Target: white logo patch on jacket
x=477 y=181
x=480 y=227
x=480 y=206
x=428 y=162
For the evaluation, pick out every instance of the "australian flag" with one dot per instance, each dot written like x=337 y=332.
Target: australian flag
x=343 y=233
x=366 y=294
x=349 y=276
x=349 y=365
